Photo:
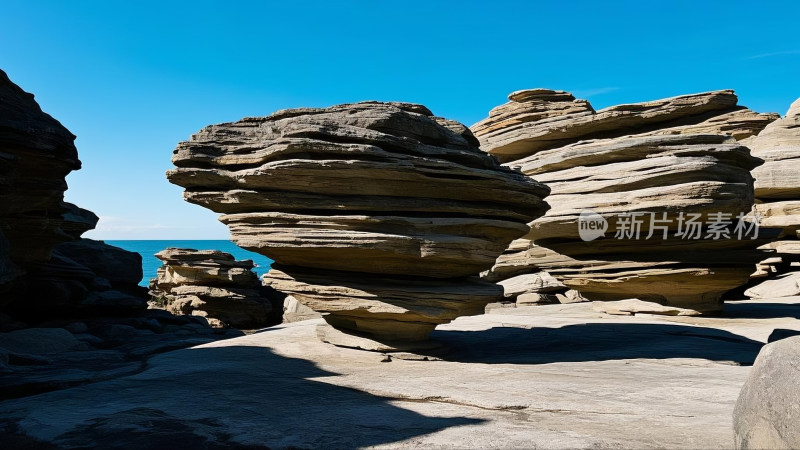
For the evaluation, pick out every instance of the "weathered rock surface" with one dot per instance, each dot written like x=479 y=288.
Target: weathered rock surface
x=767 y=413
x=785 y=285
x=540 y=119
x=294 y=311
x=36 y=154
x=777 y=189
x=214 y=285
x=553 y=376
x=63 y=353
x=633 y=306
x=400 y=204
x=631 y=167
x=779 y=146
x=82 y=278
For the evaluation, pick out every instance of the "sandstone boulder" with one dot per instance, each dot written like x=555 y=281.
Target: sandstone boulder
x=785 y=285
x=767 y=413
x=294 y=311
x=395 y=206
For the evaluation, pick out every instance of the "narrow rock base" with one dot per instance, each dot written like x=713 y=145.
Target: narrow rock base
x=419 y=350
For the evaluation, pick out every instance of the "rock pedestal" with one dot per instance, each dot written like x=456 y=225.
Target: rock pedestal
x=214 y=285
x=629 y=170
x=375 y=213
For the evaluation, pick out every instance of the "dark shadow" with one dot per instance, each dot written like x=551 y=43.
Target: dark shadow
x=240 y=397
x=755 y=310
x=596 y=342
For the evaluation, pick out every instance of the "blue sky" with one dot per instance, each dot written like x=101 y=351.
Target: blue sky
x=132 y=79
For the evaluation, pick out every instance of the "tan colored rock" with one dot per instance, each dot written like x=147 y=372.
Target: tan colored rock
x=777 y=186
x=786 y=285
x=766 y=413
x=560 y=120
x=541 y=282
x=294 y=311
x=670 y=156
x=535 y=299
x=779 y=146
x=375 y=213
x=388 y=307
x=212 y=284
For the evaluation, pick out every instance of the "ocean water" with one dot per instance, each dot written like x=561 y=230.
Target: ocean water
x=150 y=263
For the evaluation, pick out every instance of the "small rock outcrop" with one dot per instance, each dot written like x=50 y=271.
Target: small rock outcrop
x=777 y=190
x=638 y=173
x=214 y=285
x=375 y=213
x=767 y=414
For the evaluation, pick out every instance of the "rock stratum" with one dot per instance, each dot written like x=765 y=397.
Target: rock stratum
x=36 y=154
x=46 y=269
x=777 y=190
x=214 y=285
x=632 y=166
x=375 y=213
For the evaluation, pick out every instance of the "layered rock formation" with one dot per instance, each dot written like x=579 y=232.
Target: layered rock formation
x=373 y=212
x=46 y=269
x=83 y=277
x=777 y=190
x=214 y=285
x=36 y=154
x=626 y=168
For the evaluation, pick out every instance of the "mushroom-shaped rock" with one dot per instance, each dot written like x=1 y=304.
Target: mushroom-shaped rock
x=374 y=213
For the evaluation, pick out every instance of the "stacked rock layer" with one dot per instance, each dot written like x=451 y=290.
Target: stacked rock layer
x=46 y=269
x=777 y=190
x=214 y=285
x=648 y=163
x=36 y=154
x=373 y=212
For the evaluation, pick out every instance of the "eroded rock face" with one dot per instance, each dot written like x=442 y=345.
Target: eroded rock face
x=82 y=278
x=36 y=154
x=46 y=269
x=766 y=414
x=214 y=285
x=670 y=156
x=777 y=190
x=370 y=210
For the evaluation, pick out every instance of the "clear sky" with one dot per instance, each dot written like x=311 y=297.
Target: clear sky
x=132 y=79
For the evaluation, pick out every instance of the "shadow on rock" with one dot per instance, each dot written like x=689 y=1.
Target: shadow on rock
x=596 y=342
x=758 y=310
x=237 y=397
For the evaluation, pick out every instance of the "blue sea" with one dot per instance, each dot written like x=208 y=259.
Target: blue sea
x=150 y=263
